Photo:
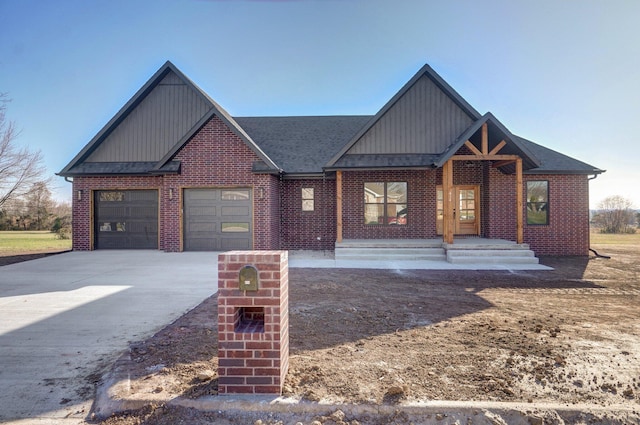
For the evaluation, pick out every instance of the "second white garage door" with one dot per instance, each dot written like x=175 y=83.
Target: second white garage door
x=218 y=219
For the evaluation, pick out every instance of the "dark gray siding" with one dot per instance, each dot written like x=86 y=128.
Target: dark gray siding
x=155 y=125
x=425 y=120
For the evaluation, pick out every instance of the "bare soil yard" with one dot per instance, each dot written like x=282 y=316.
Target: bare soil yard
x=369 y=337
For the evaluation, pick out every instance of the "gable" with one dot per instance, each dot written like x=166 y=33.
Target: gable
x=155 y=125
x=424 y=120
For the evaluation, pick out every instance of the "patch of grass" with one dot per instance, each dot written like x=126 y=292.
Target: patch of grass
x=25 y=242
x=598 y=238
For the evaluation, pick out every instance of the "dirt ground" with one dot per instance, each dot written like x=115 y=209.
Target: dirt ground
x=395 y=338
x=5 y=260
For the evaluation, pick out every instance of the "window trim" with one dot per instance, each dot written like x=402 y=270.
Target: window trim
x=527 y=203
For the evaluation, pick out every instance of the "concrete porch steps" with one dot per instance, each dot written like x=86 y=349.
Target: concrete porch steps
x=390 y=250
x=493 y=256
x=462 y=251
x=470 y=251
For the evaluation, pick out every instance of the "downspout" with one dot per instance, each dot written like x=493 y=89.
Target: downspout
x=595 y=176
x=280 y=203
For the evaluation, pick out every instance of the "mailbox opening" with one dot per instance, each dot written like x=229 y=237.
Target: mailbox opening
x=249 y=320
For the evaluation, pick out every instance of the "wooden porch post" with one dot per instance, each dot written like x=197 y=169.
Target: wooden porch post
x=339 y=206
x=447 y=201
x=519 y=203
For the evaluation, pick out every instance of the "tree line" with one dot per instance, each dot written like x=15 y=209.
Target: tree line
x=615 y=214
x=25 y=195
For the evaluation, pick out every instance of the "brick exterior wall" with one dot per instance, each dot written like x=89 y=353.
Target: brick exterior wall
x=214 y=158
x=253 y=327
x=314 y=230
x=568 y=229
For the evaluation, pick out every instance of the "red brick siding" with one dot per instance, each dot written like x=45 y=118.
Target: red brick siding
x=215 y=157
x=421 y=205
x=568 y=229
x=253 y=362
x=301 y=229
x=501 y=206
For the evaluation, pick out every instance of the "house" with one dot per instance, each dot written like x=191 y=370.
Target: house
x=172 y=170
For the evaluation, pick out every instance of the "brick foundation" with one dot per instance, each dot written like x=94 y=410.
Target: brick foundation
x=253 y=326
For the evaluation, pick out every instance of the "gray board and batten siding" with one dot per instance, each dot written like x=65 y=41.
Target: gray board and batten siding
x=161 y=119
x=424 y=120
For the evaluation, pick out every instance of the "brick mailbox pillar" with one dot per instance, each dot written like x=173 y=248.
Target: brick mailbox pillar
x=253 y=321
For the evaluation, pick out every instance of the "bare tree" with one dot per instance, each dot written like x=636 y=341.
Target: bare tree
x=615 y=215
x=39 y=206
x=20 y=168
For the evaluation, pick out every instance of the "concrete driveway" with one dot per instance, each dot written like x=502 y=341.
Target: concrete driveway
x=64 y=319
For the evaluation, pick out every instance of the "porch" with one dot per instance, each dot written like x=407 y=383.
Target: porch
x=465 y=253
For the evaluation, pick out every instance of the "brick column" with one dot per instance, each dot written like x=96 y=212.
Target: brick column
x=253 y=326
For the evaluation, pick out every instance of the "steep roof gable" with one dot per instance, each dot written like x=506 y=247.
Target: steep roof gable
x=422 y=118
x=153 y=126
x=497 y=133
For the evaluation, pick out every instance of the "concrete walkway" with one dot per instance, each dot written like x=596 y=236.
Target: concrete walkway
x=67 y=317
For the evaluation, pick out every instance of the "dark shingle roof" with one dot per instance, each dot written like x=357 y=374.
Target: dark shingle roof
x=553 y=162
x=302 y=144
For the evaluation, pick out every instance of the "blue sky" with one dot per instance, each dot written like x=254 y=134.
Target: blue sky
x=563 y=73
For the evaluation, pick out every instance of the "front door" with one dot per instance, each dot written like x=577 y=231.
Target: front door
x=466 y=210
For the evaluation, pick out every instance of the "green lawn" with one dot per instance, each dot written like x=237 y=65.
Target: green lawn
x=20 y=242
x=598 y=238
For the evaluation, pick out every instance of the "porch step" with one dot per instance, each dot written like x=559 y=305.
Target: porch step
x=370 y=253
x=389 y=243
x=514 y=255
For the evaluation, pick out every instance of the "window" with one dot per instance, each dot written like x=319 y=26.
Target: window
x=307 y=199
x=538 y=202
x=385 y=203
x=235 y=227
x=235 y=195
x=112 y=196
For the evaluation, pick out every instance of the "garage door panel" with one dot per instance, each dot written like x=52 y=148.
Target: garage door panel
x=202 y=228
x=229 y=244
x=235 y=211
x=126 y=219
x=201 y=195
x=217 y=219
x=198 y=211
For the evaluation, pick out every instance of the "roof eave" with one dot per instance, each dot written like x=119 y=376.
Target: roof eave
x=572 y=172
